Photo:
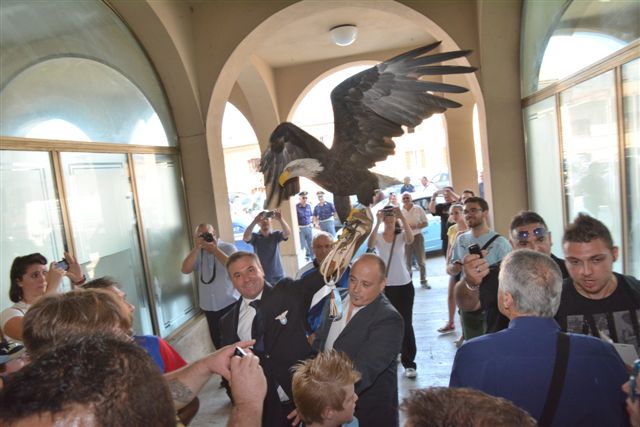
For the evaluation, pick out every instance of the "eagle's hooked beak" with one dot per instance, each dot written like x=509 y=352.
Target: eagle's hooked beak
x=284 y=177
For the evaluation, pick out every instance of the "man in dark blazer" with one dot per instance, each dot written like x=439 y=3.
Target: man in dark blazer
x=277 y=324
x=370 y=332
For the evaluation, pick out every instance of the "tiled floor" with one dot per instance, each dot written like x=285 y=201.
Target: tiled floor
x=434 y=358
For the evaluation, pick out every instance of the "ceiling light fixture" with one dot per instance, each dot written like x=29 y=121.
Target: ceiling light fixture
x=344 y=35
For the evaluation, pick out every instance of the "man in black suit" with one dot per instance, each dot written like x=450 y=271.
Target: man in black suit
x=275 y=317
x=370 y=332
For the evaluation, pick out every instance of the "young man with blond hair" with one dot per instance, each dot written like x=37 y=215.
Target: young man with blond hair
x=323 y=390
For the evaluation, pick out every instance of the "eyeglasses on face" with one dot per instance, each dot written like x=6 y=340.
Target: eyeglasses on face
x=538 y=232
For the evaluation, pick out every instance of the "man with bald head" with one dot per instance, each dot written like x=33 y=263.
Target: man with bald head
x=370 y=332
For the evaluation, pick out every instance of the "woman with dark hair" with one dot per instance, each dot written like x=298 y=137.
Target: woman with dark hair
x=390 y=245
x=30 y=280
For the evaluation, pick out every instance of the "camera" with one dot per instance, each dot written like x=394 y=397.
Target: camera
x=208 y=237
x=388 y=211
x=63 y=264
x=268 y=214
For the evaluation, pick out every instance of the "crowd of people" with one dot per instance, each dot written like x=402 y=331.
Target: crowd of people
x=540 y=344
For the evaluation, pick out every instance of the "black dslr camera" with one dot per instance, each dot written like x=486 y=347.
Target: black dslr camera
x=208 y=237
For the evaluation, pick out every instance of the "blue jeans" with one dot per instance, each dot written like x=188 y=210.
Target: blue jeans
x=328 y=226
x=305 y=239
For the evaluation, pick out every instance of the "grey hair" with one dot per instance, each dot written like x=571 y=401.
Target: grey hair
x=322 y=234
x=533 y=280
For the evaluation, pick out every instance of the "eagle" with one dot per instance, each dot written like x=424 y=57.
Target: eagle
x=369 y=109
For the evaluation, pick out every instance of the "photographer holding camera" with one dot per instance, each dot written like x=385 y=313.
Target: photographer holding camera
x=216 y=293
x=266 y=243
x=390 y=243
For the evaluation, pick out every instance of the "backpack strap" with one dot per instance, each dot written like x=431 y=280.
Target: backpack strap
x=490 y=241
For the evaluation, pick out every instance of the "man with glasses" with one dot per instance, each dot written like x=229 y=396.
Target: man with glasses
x=528 y=230
x=494 y=247
x=303 y=211
x=417 y=219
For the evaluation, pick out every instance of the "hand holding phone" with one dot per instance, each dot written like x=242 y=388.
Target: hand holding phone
x=62 y=264
x=239 y=352
x=475 y=250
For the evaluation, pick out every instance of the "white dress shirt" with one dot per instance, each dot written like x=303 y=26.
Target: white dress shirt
x=245 y=318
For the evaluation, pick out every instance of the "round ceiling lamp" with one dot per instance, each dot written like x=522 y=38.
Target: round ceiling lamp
x=344 y=35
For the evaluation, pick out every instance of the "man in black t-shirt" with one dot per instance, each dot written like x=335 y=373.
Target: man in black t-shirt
x=442 y=210
x=595 y=300
x=527 y=231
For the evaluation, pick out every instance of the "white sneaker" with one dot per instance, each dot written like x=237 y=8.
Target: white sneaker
x=410 y=373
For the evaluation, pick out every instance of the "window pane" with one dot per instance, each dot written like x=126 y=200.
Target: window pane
x=66 y=65
x=30 y=216
x=560 y=38
x=101 y=208
x=591 y=167
x=631 y=108
x=167 y=236
x=543 y=167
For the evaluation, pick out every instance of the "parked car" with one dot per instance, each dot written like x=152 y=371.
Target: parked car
x=238 y=232
x=441 y=180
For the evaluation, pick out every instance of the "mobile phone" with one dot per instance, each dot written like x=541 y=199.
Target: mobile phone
x=239 y=352
x=269 y=214
x=63 y=264
x=475 y=250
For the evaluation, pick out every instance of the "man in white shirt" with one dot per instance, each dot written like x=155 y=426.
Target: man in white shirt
x=417 y=219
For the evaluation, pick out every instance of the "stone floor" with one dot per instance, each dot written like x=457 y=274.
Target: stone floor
x=434 y=358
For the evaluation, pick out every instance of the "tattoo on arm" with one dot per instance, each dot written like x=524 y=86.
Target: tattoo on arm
x=180 y=392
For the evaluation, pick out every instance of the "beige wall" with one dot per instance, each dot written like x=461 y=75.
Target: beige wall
x=204 y=50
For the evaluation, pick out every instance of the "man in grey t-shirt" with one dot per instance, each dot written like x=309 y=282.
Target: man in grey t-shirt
x=215 y=291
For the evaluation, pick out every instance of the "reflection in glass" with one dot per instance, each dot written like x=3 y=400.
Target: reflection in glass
x=591 y=168
x=101 y=209
x=106 y=106
x=76 y=61
x=166 y=234
x=631 y=111
x=560 y=38
x=543 y=166
x=30 y=216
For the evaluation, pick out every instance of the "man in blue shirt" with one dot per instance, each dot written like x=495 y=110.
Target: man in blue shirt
x=323 y=215
x=303 y=211
x=518 y=363
x=215 y=290
x=266 y=243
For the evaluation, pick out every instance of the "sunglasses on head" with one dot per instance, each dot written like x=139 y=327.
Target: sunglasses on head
x=536 y=232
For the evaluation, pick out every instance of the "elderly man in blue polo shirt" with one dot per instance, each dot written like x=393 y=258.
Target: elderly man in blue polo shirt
x=560 y=379
x=323 y=215
x=303 y=210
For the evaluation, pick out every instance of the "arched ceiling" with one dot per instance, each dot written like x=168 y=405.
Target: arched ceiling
x=307 y=38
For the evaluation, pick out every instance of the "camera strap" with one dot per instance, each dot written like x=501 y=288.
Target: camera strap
x=213 y=275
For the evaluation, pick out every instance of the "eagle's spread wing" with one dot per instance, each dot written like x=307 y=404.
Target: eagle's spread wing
x=370 y=107
x=287 y=143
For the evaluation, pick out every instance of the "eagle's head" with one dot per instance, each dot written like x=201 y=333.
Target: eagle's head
x=308 y=168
